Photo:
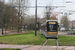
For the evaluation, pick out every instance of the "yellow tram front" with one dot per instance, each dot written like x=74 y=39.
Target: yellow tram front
x=52 y=29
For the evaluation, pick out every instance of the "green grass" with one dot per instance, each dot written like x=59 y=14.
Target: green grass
x=66 y=40
x=9 y=49
x=30 y=39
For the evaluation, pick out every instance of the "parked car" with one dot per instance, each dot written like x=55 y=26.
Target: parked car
x=73 y=28
x=62 y=29
x=70 y=28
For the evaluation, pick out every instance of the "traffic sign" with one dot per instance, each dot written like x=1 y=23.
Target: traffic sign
x=46 y=7
x=13 y=7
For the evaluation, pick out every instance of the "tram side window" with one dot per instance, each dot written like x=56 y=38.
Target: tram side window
x=43 y=28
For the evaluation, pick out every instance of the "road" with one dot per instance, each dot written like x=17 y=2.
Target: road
x=65 y=34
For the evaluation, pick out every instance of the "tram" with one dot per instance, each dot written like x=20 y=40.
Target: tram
x=50 y=29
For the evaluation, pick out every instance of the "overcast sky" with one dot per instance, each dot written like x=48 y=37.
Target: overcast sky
x=69 y=6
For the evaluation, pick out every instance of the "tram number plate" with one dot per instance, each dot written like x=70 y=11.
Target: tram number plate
x=52 y=22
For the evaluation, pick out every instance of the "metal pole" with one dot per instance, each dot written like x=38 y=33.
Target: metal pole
x=18 y=16
x=47 y=16
x=72 y=25
x=36 y=19
x=57 y=44
x=2 y=17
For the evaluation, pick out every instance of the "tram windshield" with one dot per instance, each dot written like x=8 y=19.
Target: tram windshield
x=52 y=27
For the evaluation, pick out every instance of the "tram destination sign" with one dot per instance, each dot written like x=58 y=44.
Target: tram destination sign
x=52 y=22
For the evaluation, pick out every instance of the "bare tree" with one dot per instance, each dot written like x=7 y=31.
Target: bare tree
x=65 y=21
x=8 y=16
x=47 y=14
x=20 y=5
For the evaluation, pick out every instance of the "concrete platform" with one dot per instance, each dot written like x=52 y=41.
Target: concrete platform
x=36 y=47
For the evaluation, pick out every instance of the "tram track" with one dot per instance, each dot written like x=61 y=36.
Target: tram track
x=49 y=46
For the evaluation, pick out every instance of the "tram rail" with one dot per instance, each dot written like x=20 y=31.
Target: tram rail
x=49 y=46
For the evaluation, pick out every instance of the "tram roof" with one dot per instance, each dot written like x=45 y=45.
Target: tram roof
x=43 y=24
x=47 y=21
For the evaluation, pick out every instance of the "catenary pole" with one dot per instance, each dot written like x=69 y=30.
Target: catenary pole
x=36 y=19
x=2 y=17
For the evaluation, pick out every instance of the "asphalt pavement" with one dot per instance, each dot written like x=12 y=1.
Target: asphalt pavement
x=65 y=33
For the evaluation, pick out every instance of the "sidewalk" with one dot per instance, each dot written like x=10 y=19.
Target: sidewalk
x=11 y=32
x=35 y=47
